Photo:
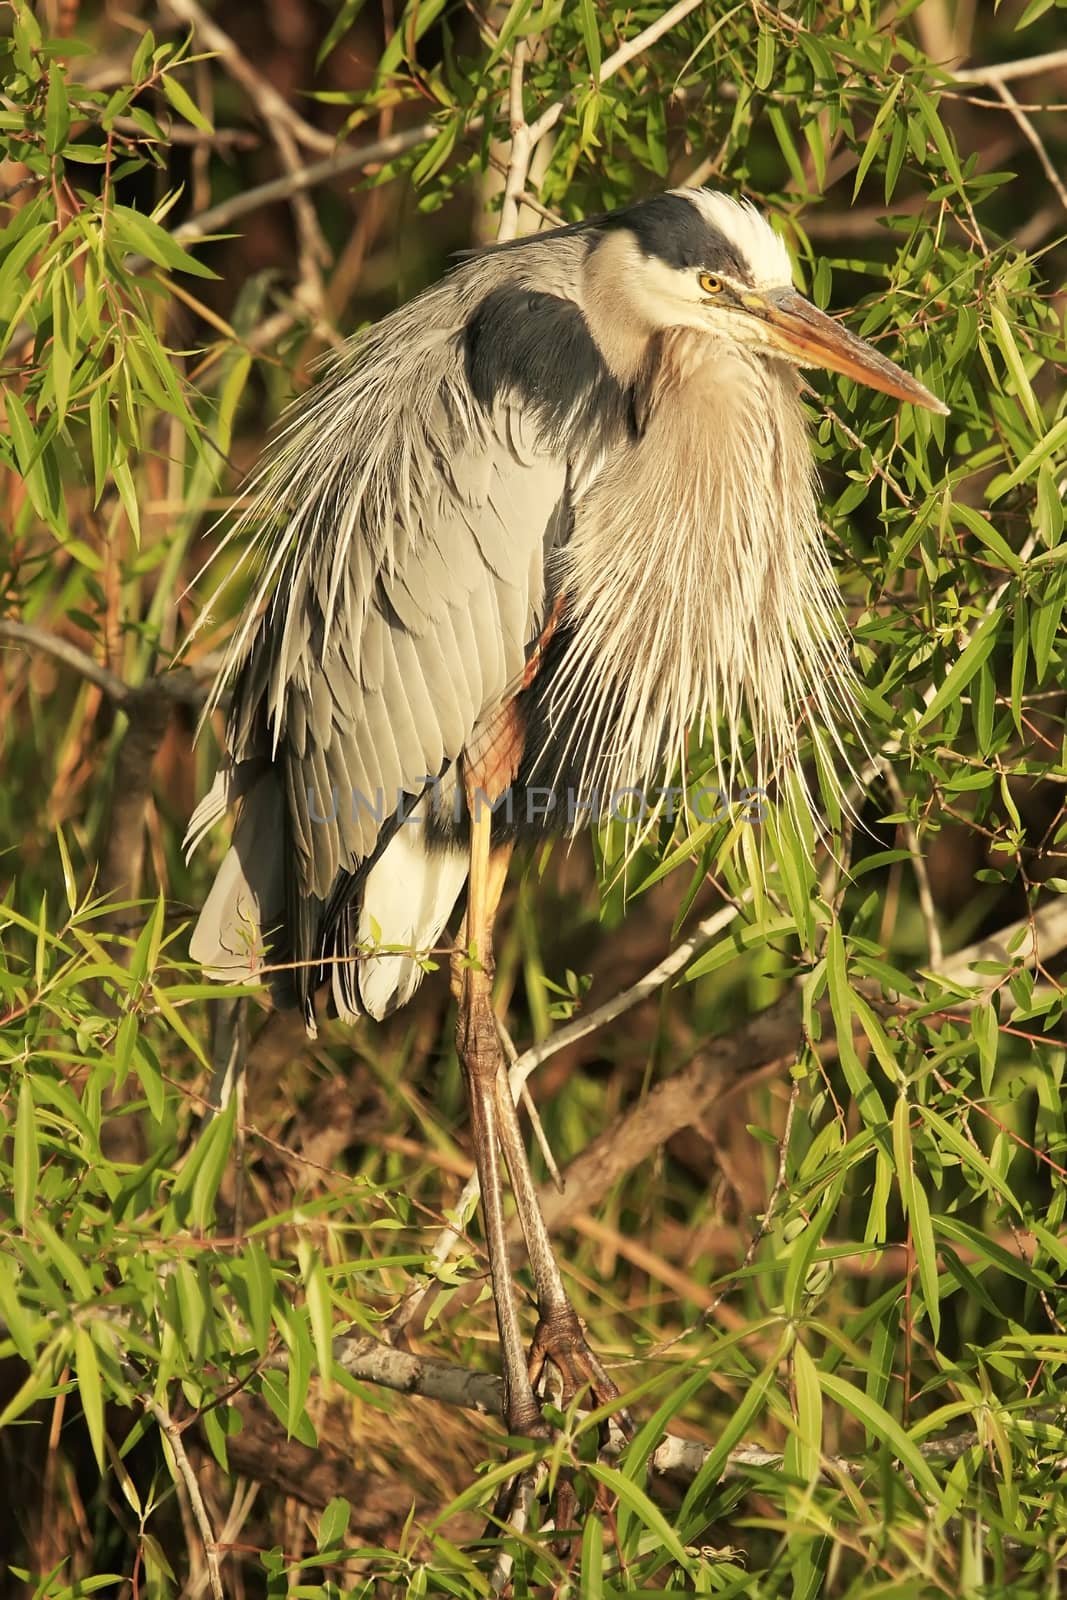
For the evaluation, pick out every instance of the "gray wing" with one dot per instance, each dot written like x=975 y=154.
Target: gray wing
x=416 y=501
x=378 y=680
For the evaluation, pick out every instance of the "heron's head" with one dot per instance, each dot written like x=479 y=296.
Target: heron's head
x=696 y=259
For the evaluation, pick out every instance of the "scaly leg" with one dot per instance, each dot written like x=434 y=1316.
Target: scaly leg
x=559 y=1336
x=479 y=1050
x=495 y=1128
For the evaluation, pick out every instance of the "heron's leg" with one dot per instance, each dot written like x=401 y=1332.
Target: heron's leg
x=480 y=1052
x=560 y=1336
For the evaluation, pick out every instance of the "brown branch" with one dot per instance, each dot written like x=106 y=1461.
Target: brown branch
x=275 y=110
x=189 y=685
x=192 y=1488
x=289 y=131
x=1026 y=68
x=345 y=159
x=525 y=137
x=1030 y=133
x=370 y=1361
x=766 y=1043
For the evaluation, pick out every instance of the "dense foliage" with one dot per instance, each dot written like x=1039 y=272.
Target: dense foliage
x=816 y=1180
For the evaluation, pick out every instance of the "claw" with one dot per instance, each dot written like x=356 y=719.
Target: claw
x=560 y=1339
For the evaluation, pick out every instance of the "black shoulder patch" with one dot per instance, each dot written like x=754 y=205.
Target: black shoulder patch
x=538 y=347
x=671 y=227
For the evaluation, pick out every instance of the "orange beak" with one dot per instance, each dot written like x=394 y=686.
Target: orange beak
x=812 y=339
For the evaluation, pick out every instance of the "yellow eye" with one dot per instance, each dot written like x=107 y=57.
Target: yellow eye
x=710 y=284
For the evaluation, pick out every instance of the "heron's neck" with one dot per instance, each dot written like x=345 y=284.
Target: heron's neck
x=696 y=578
x=620 y=327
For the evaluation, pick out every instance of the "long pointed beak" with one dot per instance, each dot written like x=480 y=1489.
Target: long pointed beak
x=812 y=339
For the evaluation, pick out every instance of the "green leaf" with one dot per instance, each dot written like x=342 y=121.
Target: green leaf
x=588 y=21
x=869 y=1102
x=259 y=1280
x=320 y=1311
x=56 y=112
x=333 y=1524
x=90 y=1390
x=144 y=236
x=964 y=668
x=198 y=1182
x=27 y=1160
x=882 y=1426
x=641 y=1507
x=873 y=142
x=765 y=52
x=1053 y=442
x=184 y=104
x=806 y=1443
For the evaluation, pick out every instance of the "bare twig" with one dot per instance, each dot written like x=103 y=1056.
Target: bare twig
x=525 y=137
x=1026 y=68
x=289 y=131
x=1030 y=132
x=347 y=159
x=180 y=133
x=918 y=867
x=272 y=106
x=185 y=684
x=522 y=148
x=51 y=644
x=370 y=1361
x=192 y=1489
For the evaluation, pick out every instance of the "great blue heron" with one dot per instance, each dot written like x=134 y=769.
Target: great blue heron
x=529 y=530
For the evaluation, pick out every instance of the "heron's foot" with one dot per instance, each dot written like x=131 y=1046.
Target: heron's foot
x=560 y=1339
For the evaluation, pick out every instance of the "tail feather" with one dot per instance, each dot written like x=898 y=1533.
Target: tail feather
x=408 y=897
x=256 y=915
x=246 y=902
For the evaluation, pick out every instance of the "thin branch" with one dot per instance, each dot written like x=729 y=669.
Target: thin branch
x=525 y=137
x=370 y=1361
x=50 y=644
x=1030 y=132
x=275 y=110
x=185 y=684
x=1026 y=68
x=346 y=159
x=918 y=867
x=289 y=131
x=521 y=149
x=192 y=1488
x=180 y=133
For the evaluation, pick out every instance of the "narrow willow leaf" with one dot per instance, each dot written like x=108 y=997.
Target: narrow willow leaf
x=642 y=1508
x=883 y=1427
x=27 y=1159
x=873 y=142
x=320 y=1311
x=183 y=103
x=90 y=1390
x=868 y=1100
x=1053 y=442
x=963 y=670
x=56 y=111
x=592 y=1568
x=807 y=1441
x=333 y=1524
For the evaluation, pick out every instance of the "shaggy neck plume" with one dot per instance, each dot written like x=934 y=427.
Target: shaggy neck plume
x=700 y=597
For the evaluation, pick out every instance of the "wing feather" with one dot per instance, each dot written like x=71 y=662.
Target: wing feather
x=418 y=496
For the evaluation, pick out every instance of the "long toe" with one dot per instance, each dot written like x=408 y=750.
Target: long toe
x=560 y=1338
